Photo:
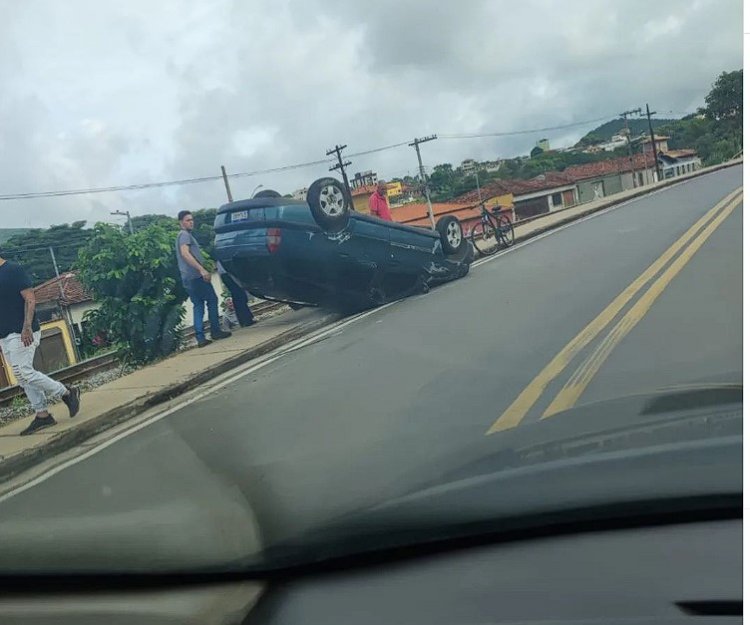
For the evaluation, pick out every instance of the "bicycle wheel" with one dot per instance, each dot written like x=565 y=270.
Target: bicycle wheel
x=483 y=238
x=505 y=230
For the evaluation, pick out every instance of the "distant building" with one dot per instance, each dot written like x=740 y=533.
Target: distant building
x=543 y=144
x=394 y=189
x=661 y=144
x=363 y=179
x=617 y=141
x=300 y=194
x=361 y=197
x=597 y=180
x=468 y=166
x=675 y=163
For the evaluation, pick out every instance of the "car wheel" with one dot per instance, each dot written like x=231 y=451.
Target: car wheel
x=329 y=204
x=267 y=193
x=451 y=234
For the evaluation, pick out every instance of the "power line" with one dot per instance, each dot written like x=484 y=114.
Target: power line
x=374 y=150
x=153 y=185
x=271 y=170
x=511 y=133
x=24 y=250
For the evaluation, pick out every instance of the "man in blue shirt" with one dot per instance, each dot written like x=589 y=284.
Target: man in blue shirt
x=20 y=335
x=197 y=281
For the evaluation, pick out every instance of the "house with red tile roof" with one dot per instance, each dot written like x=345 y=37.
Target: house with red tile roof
x=603 y=178
x=361 y=197
x=546 y=193
x=60 y=305
x=64 y=299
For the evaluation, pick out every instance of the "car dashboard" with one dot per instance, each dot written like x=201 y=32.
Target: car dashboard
x=676 y=573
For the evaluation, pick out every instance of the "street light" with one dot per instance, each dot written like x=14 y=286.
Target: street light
x=125 y=214
x=252 y=195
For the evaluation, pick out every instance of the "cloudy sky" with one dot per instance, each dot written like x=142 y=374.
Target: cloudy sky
x=98 y=94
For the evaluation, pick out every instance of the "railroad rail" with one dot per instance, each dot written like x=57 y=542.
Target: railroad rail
x=105 y=362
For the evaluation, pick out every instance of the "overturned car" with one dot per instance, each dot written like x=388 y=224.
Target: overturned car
x=322 y=253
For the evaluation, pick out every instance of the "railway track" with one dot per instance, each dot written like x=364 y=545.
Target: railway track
x=105 y=362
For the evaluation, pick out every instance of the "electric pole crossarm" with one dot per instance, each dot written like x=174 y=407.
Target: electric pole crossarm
x=624 y=116
x=341 y=166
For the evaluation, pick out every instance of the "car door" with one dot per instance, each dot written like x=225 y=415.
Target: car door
x=409 y=256
x=361 y=254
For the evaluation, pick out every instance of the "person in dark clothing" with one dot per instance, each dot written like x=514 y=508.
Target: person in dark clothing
x=239 y=297
x=197 y=281
x=20 y=335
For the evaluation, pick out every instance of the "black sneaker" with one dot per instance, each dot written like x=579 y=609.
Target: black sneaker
x=204 y=342
x=72 y=400
x=220 y=335
x=39 y=423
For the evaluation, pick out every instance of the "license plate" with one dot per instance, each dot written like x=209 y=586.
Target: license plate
x=239 y=216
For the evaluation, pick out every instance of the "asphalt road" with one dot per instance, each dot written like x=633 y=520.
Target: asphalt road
x=406 y=395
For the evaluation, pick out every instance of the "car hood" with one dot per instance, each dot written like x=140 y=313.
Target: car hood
x=671 y=450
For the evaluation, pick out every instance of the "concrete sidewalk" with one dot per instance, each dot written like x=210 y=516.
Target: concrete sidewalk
x=121 y=399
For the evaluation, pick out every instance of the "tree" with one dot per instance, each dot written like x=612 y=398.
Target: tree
x=135 y=280
x=724 y=101
x=203 y=227
x=716 y=135
x=32 y=249
x=536 y=151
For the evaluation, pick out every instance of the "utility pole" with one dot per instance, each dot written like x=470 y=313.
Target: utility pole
x=226 y=184
x=422 y=176
x=649 y=114
x=125 y=214
x=479 y=191
x=341 y=166
x=63 y=308
x=624 y=116
x=57 y=271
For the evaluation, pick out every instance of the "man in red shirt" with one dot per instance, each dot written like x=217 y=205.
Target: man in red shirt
x=379 y=202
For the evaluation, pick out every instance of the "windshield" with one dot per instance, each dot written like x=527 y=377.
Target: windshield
x=283 y=283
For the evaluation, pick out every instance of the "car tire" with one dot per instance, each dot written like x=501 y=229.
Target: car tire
x=329 y=204
x=267 y=193
x=451 y=235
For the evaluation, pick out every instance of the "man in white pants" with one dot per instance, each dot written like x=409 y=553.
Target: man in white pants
x=19 y=338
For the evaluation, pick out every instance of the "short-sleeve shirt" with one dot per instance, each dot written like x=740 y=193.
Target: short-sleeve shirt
x=188 y=272
x=379 y=207
x=13 y=280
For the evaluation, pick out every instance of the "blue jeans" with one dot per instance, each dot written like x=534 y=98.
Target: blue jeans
x=201 y=294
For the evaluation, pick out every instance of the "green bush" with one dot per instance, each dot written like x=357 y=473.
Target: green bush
x=135 y=280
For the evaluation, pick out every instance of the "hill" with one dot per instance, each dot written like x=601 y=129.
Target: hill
x=7 y=233
x=606 y=130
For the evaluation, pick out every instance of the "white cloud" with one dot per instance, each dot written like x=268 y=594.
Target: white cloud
x=104 y=94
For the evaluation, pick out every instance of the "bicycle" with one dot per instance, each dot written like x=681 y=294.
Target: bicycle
x=492 y=226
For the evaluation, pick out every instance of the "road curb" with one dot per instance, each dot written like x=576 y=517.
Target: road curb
x=12 y=466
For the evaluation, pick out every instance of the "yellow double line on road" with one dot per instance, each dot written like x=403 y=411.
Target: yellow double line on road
x=585 y=373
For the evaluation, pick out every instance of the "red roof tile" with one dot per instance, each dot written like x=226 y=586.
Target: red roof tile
x=549 y=180
x=606 y=168
x=73 y=292
x=367 y=189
